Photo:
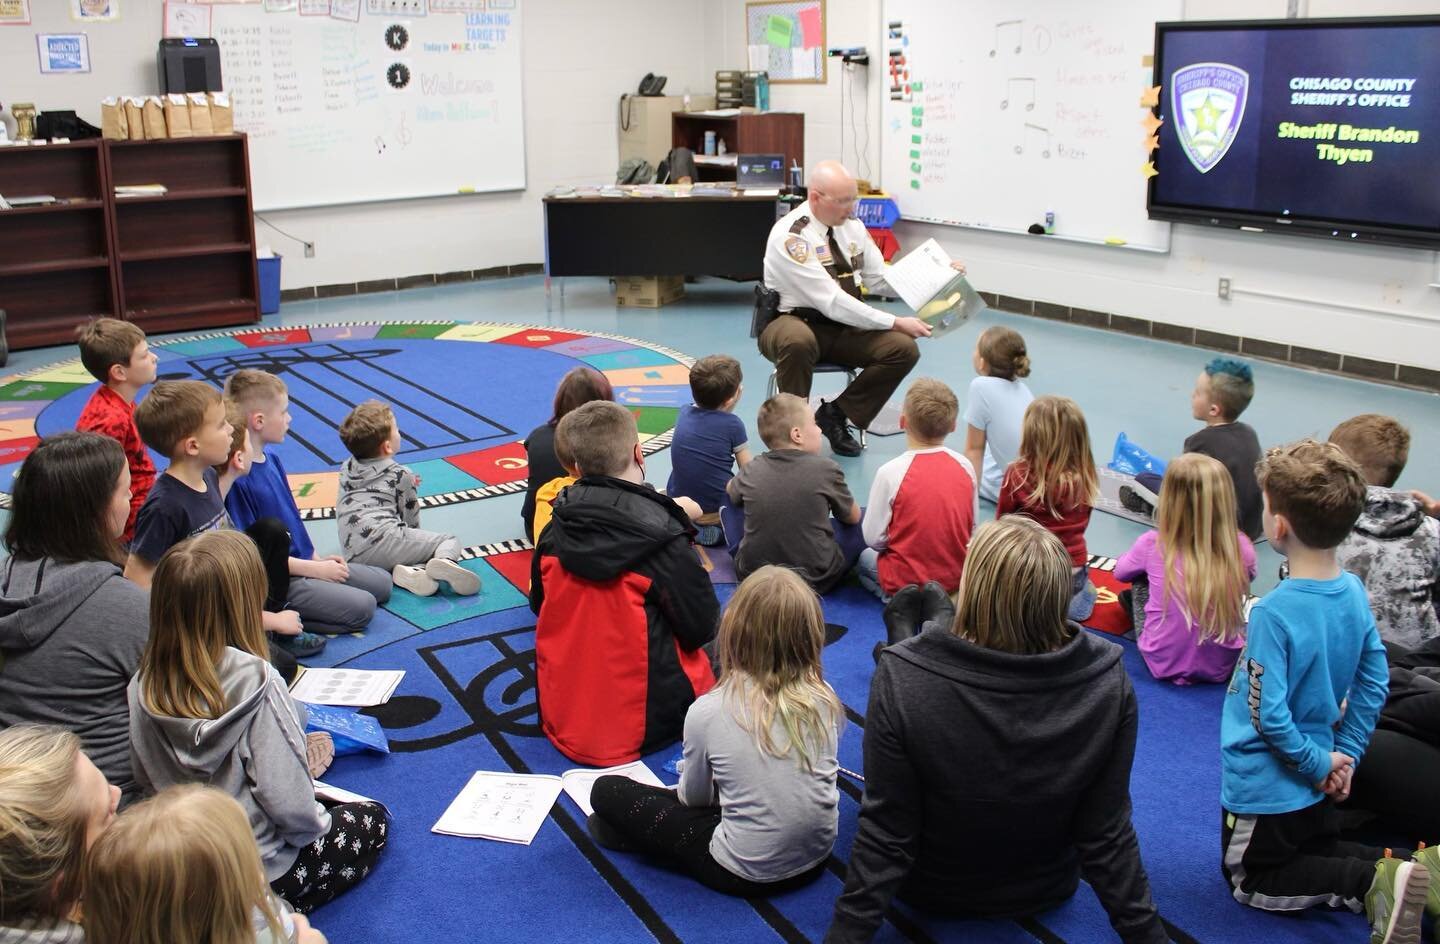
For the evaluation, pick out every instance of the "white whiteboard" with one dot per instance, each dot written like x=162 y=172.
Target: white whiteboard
x=336 y=114
x=1019 y=107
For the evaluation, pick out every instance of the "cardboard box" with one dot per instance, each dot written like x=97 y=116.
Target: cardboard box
x=648 y=291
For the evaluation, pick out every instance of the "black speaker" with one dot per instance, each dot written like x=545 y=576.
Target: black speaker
x=189 y=65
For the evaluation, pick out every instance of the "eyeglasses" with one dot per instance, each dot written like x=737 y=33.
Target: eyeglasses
x=838 y=201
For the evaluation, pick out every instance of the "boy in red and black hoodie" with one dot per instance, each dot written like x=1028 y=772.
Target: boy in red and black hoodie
x=624 y=605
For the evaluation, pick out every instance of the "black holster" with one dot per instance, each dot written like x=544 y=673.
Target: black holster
x=767 y=308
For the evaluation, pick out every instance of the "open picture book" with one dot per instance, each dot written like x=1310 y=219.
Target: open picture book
x=940 y=296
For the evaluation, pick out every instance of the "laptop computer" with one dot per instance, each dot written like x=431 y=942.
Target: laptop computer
x=760 y=171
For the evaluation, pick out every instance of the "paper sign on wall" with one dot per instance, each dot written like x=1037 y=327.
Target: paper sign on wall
x=187 y=19
x=63 y=52
x=14 y=12
x=90 y=11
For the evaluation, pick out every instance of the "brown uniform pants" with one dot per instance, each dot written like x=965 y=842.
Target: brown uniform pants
x=795 y=346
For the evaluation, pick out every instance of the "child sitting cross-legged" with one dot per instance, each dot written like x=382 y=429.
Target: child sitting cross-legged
x=1394 y=547
x=1190 y=577
x=756 y=810
x=1054 y=482
x=331 y=596
x=207 y=707
x=782 y=502
x=1300 y=711
x=710 y=441
x=379 y=510
x=182 y=868
x=624 y=604
x=923 y=503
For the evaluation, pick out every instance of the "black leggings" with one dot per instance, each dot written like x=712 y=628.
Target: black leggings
x=655 y=821
x=338 y=860
x=1397 y=780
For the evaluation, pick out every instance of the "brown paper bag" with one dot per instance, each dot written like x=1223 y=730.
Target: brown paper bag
x=154 y=113
x=113 y=124
x=177 y=115
x=222 y=114
x=135 y=118
x=200 y=115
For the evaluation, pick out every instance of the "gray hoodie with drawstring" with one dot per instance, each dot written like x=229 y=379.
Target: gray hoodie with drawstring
x=255 y=751
x=71 y=636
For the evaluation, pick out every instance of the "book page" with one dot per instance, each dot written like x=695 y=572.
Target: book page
x=579 y=782
x=921 y=274
x=352 y=688
x=500 y=806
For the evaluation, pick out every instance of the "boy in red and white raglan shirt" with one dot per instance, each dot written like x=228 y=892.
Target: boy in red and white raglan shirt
x=923 y=503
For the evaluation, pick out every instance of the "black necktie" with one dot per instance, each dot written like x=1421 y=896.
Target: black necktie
x=844 y=273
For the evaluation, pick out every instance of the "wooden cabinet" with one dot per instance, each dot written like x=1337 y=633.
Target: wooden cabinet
x=770 y=132
x=186 y=258
x=56 y=267
x=169 y=262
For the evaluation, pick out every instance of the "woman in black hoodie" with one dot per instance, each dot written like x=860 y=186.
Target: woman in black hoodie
x=997 y=756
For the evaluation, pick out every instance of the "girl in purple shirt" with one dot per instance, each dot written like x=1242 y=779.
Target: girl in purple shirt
x=1198 y=568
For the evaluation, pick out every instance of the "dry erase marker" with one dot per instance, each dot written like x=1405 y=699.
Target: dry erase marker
x=1252 y=229
x=1114 y=241
x=467 y=189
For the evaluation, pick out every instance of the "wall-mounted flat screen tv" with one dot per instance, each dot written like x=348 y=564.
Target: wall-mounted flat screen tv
x=1325 y=127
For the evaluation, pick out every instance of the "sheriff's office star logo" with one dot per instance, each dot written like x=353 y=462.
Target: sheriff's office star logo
x=1207 y=105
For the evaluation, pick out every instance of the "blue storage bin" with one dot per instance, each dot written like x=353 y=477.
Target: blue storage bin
x=268 y=272
x=877 y=212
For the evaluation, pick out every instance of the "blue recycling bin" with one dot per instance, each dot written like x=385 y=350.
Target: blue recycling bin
x=268 y=272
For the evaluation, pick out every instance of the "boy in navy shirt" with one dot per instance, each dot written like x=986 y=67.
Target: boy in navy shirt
x=709 y=441
x=331 y=596
x=1301 y=708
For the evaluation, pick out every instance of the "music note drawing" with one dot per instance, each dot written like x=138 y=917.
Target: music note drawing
x=1018 y=26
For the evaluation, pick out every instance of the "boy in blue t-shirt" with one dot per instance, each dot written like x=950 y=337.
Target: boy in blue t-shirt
x=330 y=595
x=709 y=440
x=1300 y=710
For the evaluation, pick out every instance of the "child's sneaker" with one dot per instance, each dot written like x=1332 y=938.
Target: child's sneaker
x=414 y=579
x=464 y=582
x=1396 y=901
x=302 y=646
x=1430 y=858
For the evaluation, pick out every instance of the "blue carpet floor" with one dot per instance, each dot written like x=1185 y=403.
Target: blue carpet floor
x=470 y=685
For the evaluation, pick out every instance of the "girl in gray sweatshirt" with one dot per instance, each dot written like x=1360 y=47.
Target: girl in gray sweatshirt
x=207 y=707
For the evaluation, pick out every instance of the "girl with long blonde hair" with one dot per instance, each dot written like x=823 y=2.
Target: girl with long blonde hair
x=54 y=804
x=755 y=811
x=1053 y=480
x=182 y=868
x=208 y=707
x=998 y=755
x=1190 y=577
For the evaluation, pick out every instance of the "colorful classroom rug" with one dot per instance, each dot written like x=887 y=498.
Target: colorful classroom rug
x=466 y=395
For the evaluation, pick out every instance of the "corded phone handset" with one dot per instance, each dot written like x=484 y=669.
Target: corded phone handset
x=652 y=85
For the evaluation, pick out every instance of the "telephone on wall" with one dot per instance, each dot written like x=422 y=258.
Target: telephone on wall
x=652 y=84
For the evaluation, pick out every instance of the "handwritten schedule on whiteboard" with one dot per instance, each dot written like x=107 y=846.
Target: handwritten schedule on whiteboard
x=362 y=104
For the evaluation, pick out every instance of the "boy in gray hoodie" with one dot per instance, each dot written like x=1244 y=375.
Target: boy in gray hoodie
x=1394 y=548
x=379 y=511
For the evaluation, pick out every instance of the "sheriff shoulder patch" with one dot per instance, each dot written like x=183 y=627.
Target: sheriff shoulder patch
x=796 y=249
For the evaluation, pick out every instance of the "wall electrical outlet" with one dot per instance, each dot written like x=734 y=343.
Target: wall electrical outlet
x=310 y=254
x=1224 y=284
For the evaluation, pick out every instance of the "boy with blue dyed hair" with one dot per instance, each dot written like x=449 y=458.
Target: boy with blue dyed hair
x=1300 y=711
x=1222 y=392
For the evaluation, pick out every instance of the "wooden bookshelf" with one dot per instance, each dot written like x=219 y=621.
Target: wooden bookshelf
x=176 y=261
x=769 y=132
x=186 y=258
x=55 y=259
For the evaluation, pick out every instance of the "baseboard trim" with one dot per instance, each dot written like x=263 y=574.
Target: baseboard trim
x=424 y=280
x=1345 y=365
